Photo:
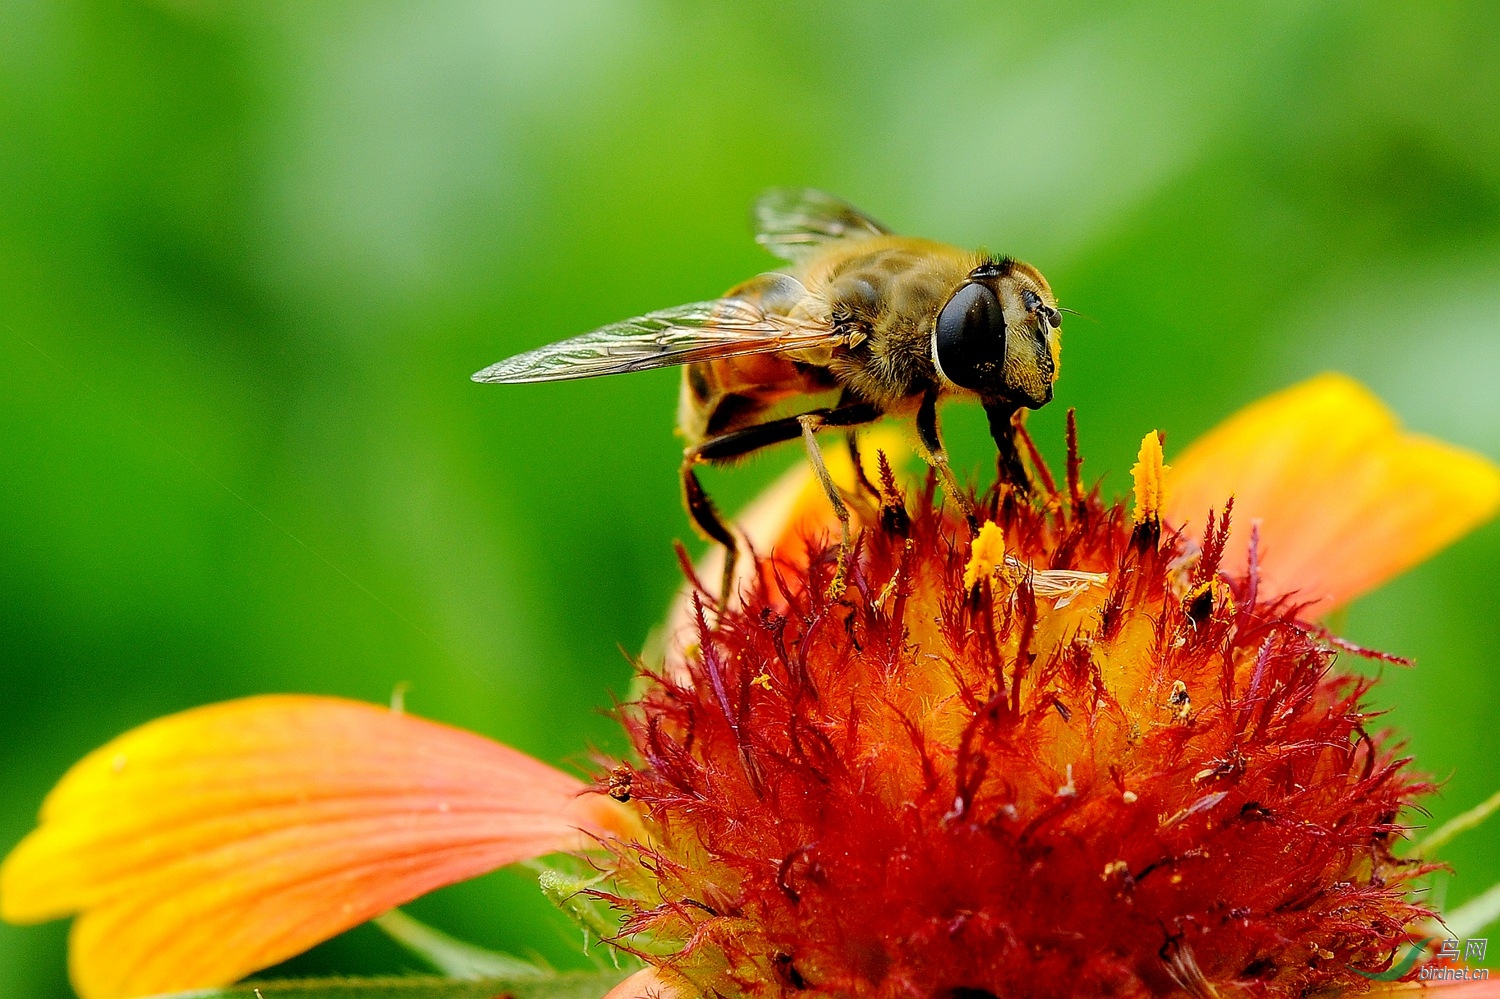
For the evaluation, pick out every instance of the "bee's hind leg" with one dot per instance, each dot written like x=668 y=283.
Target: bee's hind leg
x=707 y=519
x=737 y=443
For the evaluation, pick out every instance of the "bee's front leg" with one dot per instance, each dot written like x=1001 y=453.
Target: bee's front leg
x=937 y=456
x=1003 y=429
x=861 y=480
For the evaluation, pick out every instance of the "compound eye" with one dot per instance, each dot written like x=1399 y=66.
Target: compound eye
x=969 y=343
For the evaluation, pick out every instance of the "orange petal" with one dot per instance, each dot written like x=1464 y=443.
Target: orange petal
x=212 y=843
x=1345 y=499
x=652 y=983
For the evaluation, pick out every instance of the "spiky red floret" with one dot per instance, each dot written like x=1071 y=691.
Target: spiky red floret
x=922 y=790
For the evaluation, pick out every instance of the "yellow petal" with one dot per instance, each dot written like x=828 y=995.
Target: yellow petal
x=212 y=843
x=1344 y=498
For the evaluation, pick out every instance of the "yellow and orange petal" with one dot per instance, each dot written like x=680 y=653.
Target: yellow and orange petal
x=209 y=844
x=1342 y=497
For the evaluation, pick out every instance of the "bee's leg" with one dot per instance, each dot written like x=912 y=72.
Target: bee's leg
x=851 y=437
x=1003 y=430
x=862 y=481
x=707 y=519
x=937 y=456
x=738 y=443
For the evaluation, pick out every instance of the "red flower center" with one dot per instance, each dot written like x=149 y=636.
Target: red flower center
x=1095 y=767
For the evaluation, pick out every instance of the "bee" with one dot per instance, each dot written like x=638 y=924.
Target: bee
x=863 y=324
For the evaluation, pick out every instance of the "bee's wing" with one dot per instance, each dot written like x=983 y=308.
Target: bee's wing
x=793 y=222
x=700 y=331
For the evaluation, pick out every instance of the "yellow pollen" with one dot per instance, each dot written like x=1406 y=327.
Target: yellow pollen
x=986 y=555
x=763 y=681
x=1150 y=480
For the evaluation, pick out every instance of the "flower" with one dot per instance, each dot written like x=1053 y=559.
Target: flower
x=1085 y=750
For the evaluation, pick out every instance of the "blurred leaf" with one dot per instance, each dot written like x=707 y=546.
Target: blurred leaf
x=1457 y=826
x=1474 y=915
x=453 y=957
x=567 y=985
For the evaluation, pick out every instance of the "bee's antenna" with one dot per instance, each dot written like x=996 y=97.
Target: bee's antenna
x=1075 y=312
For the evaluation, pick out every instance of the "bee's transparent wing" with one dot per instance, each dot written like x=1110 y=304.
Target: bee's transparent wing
x=793 y=222
x=700 y=331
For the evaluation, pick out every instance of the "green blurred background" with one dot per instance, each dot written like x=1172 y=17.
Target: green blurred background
x=250 y=254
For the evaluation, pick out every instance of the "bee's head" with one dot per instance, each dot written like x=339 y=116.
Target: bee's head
x=998 y=335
